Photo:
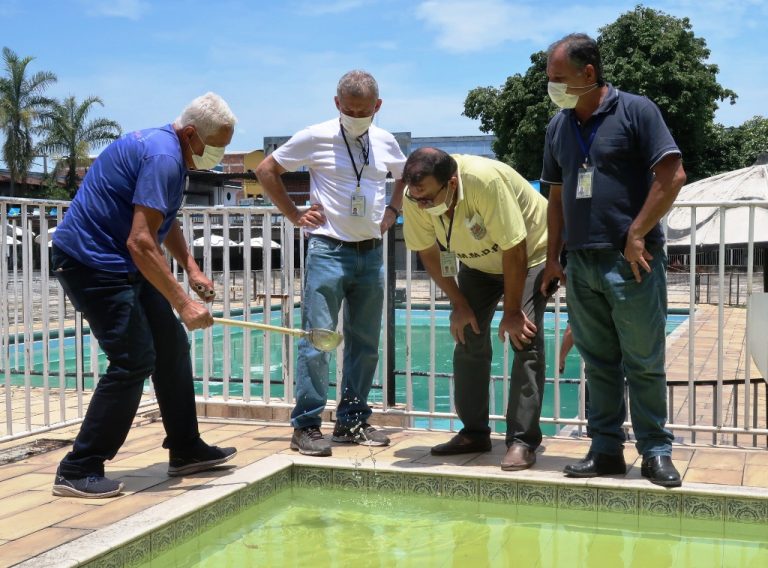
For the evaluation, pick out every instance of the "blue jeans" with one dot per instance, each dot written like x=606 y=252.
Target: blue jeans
x=472 y=360
x=619 y=329
x=141 y=336
x=336 y=272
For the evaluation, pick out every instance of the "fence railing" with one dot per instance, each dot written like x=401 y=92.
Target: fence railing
x=49 y=363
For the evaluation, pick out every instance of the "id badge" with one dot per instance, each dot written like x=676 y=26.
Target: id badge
x=584 y=186
x=448 y=264
x=358 y=205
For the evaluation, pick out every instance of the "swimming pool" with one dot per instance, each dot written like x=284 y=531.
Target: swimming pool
x=278 y=512
x=302 y=526
x=421 y=322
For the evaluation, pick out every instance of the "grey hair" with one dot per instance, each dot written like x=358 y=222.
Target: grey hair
x=208 y=113
x=358 y=83
x=581 y=50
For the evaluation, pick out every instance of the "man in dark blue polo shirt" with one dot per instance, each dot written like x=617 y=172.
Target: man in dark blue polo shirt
x=614 y=172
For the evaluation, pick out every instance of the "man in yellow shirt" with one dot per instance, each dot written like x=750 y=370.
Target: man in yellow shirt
x=481 y=215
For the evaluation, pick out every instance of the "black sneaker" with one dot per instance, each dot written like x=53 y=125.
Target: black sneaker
x=202 y=459
x=363 y=434
x=310 y=442
x=90 y=487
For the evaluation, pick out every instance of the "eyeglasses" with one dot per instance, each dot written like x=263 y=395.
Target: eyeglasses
x=424 y=200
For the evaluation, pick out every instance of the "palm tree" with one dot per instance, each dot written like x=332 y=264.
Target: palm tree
x=21 y=101
x=68 y=133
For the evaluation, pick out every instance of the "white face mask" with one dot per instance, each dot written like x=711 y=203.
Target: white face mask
x=211 y=157
x=355 y=127
x=561 y=98
x=438 y=210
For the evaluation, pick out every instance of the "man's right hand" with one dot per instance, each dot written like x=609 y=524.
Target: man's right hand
x=462 y=316
x=312 y=217
x=195 y=316
x=553 y=270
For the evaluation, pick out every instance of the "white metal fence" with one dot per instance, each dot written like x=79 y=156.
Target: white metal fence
x=49 y=363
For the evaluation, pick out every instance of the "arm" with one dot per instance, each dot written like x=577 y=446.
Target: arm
x=396 y=201
x=514 y=322
x=145 y=251
x=268 y=172
x=177 y=246
x=461 y=314
x=669 y=177
x=553 y=269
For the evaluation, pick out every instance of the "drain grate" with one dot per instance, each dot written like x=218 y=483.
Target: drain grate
x=24 y=451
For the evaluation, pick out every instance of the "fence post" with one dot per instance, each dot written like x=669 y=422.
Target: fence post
x=390 y=306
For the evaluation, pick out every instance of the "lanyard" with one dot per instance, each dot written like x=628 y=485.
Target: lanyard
x=366 y=151
x=449 y=231
x=585 y=146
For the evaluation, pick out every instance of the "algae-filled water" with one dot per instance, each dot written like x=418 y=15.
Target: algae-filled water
x=320 y=528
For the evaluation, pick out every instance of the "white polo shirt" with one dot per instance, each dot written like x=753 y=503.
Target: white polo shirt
x=333 y=182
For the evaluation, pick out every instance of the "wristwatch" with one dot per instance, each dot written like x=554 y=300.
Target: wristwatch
x=394 y=210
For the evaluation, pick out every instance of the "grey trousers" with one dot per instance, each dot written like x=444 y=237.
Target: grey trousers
x=472 y=360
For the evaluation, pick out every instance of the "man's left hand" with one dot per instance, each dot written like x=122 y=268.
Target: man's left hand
x=388 y=220
x=637 y=256
x=520 y=329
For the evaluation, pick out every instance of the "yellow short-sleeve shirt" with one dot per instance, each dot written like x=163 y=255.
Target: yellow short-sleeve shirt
x=496 y=209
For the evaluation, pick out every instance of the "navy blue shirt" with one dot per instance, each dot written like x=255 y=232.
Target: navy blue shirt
x=631 y=138
x=146 y=168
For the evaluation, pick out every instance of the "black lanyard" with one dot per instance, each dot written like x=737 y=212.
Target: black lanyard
x=586 y=145
x=449 y=231
x=366 y=151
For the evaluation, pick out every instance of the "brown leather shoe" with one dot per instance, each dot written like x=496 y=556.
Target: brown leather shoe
x=461 y=444
x=518 y=456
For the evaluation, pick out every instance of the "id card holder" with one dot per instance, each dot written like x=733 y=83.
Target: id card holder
x=448 y=264
x=584 y=185
x=358 y=205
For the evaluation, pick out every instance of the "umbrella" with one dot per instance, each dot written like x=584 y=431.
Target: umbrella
x=746 y=184
x=16 y=231
x=258 y=242
x=214 y=241
x=9 y=240
x=39 y=238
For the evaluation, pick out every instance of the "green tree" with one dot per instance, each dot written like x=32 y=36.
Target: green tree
x=650 y=53
x=645 y=52
x=517 y=113
x=753 y=140
x=69 y=133
x=21 y=102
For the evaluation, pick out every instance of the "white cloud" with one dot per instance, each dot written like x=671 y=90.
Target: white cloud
x=128 y=9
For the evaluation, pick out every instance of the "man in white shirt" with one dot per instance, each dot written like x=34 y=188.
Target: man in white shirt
x=348 y=159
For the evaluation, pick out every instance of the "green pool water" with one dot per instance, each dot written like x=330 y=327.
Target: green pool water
x=331 y=527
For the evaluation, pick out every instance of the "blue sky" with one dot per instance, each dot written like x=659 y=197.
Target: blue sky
x=277 y=63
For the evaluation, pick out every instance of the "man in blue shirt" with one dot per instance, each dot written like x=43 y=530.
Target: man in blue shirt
x=107 y=256
x=614 y=172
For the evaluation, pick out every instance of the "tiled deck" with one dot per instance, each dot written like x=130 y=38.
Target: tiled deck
x=32 y=520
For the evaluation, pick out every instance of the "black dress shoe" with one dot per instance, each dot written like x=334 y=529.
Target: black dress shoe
x=661 y=471
x=461 y=444
x=595 y=464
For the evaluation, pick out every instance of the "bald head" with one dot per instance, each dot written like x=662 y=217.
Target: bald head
x=426 y=162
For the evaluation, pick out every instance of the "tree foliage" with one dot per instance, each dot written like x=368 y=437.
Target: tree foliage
x=70 y=134
x=645 y=52
x=21 y=102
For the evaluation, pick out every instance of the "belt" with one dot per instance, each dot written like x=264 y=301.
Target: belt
x=369 y=244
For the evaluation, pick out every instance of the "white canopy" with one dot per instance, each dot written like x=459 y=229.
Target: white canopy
x=215 y=241
x=258 y=242
x=9 y=240
x=747 y=184
x=39 y=238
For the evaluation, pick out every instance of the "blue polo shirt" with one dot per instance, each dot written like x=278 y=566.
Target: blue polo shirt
x=631 y=138
x=146 y=168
